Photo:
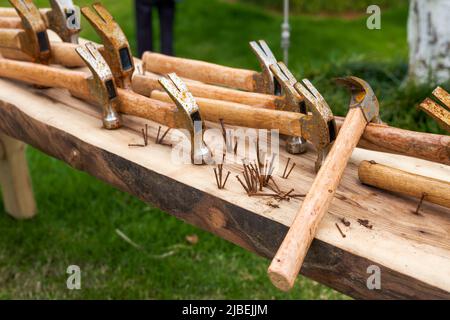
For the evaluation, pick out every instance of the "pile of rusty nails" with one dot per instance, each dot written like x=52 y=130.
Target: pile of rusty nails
x=258 y=176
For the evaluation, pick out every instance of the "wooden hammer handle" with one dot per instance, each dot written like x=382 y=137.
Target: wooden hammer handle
x=201 y=71
x=77 y=83
x=288 y=260
x=8 y=12
x=237 y=114
x=11 y=12
x=10 y=23
x=64 y=53
x=42 y=75
x=395 y=180
x=427 y=146
x=144 y=84
x=151 y=109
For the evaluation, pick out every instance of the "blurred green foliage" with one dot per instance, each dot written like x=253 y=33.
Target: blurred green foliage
x=327 y=6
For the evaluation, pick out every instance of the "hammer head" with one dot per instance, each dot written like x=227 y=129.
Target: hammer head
x=64 y=18
x=101 y=85
x=293 y=103
x=188 y=117
x=319 y=125
x=265 y=82
x=116 y=48
x=35 y=43
x=362 y=96
x=286 y=82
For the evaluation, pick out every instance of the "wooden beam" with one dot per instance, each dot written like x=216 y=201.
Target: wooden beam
x=413 y=252
x=15 y=181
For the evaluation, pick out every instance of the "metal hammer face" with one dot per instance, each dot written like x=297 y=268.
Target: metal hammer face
x=189 y=116
x=265 y=81
x=362 y=96
x=64 y=18
x=35 y=41
x=101 y=85
x=116 y=47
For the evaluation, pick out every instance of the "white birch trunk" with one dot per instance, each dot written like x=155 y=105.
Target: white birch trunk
x=429 y=41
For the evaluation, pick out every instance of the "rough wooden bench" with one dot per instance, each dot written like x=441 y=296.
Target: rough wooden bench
x=412 y=251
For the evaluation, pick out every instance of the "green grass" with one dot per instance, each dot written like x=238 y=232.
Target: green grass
x=78 y=215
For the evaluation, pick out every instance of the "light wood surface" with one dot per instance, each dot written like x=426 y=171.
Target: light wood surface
x=289 y=258
x=413 y=252
x=395 y=180
x=15 y=181
x=199 y=70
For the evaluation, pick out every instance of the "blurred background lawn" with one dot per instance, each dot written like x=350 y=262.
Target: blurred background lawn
x=79 y=216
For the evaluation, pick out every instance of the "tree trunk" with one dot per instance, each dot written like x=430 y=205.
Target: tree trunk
x=429 y=41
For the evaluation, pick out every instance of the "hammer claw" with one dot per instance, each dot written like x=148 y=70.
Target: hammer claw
x=266 y=58
x=306 y=93
x=189 y=118
x=64 y=18
x=103 y=13
x=93 y=17
x=116 y=47
x=320 y=100
x=263 y=52
x=179 y=93
x=287 y=81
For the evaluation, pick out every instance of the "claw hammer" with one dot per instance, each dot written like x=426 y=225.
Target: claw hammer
x=115 y=49
x=316 y=126
x=63 y=17
x=100 y=88
x=248 y=80
x=289 y=258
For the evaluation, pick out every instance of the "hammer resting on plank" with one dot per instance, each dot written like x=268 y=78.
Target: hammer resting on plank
x=316 y=126
x=287 y=122
x=243 y=115
x=288 y=260
x=377 y=136
x=63 y=18
x=100 y=88
x=211 y=73
x=115 y=49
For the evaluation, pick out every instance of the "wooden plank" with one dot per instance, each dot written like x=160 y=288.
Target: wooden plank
x=15 y=180
x=412 y=251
